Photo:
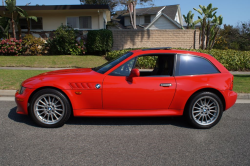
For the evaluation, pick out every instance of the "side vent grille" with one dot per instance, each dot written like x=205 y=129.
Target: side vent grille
x=82 y=85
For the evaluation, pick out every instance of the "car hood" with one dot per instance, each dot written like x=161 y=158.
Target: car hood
x=81 y=71
x=62 y=78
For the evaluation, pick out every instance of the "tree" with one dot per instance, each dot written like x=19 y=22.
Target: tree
x=28 y=18
x=189 y=20
x=4 y=27
x=217 y=22
x=228 y=38
x=131 y=6
x=12 y=9
x=243 y=29
x=207 y=13
x=112 y=3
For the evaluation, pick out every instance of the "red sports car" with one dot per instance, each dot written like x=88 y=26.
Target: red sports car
x=149 y=82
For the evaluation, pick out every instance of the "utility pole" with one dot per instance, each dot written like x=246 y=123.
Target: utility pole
x=3 y=2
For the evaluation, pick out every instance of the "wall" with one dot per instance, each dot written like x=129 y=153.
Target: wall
x=187 y=38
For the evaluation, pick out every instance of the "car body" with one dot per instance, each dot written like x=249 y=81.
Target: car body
x=177 y=83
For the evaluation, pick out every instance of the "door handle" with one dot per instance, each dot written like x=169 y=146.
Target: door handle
x=166 y=85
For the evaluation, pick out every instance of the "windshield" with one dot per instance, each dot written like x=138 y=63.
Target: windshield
x=105 y=67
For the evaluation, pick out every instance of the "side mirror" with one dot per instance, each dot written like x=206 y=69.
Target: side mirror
x=133 y=73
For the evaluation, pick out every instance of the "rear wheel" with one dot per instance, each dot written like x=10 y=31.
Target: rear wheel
x=50 y=108
x=204 y=110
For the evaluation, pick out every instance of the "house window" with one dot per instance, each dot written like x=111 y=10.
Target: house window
x=36 y=24
x=82 y=22
x=73 y=22
x=85 y=22
x=23 y=23
x=33 y=24
x=147 y=19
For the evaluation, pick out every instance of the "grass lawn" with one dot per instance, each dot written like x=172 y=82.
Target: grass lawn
x=11 y=79
x=242 y=83
x=62 y=61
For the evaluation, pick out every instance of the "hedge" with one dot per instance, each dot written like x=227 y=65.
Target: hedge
x=99 y=41
x=233 y=60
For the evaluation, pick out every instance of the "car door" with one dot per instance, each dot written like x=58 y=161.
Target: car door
x=152 y=92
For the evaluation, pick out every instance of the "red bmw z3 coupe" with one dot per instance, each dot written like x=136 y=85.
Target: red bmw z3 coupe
x=149 y=82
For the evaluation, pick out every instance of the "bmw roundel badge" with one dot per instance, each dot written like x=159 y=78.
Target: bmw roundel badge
x=97 y=86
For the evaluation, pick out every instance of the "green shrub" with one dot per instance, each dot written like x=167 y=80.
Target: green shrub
x=33 y=45
x=99 y=41
x=11 y=47
x=65 y=43
x=233 y=60
x=116 y=53
x=144 y=62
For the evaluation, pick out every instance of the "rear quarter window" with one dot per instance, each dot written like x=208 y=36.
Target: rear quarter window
x=194 y=65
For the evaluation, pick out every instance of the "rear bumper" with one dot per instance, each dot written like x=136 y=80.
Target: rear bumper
x=22 y=101
x=230 y=98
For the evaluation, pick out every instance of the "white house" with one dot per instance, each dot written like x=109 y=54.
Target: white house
x=161 y=17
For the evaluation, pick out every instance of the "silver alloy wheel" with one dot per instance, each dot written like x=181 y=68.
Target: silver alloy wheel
x=49 y=109
x=205 y=110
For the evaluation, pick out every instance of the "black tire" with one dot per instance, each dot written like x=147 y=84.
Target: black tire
x=49 y=108
x=204 y=110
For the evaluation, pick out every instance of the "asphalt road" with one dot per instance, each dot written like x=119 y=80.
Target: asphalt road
x=125 y=141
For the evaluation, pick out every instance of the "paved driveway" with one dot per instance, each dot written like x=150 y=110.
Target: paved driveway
x=125 y=141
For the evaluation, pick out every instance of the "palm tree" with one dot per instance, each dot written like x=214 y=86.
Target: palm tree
x=189 y=20
x=12 y=9
x=28 y=18
x=4 y=26
x=207 y=13
x=217 y=21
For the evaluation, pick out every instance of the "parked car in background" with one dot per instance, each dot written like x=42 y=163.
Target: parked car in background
x=149 y=82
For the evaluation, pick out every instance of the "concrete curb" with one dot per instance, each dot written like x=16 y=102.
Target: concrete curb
x=243 y=96
x=7 y=93
x=11 y=93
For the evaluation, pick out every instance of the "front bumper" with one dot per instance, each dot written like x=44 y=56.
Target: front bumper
x=22 y=101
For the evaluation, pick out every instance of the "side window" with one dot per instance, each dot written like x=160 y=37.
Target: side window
x=194 y=65
x=146 y=62
x=155 y=65
x=125 y=69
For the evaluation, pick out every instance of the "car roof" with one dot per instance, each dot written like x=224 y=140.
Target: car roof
x=167 y=50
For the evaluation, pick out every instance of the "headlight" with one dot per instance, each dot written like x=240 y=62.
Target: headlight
x=21 y=90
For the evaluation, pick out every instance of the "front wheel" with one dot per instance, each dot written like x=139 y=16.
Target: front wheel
x=204 y=110
x=50 y=108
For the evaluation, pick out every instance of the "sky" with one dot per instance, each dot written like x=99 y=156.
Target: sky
x=232 y=11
